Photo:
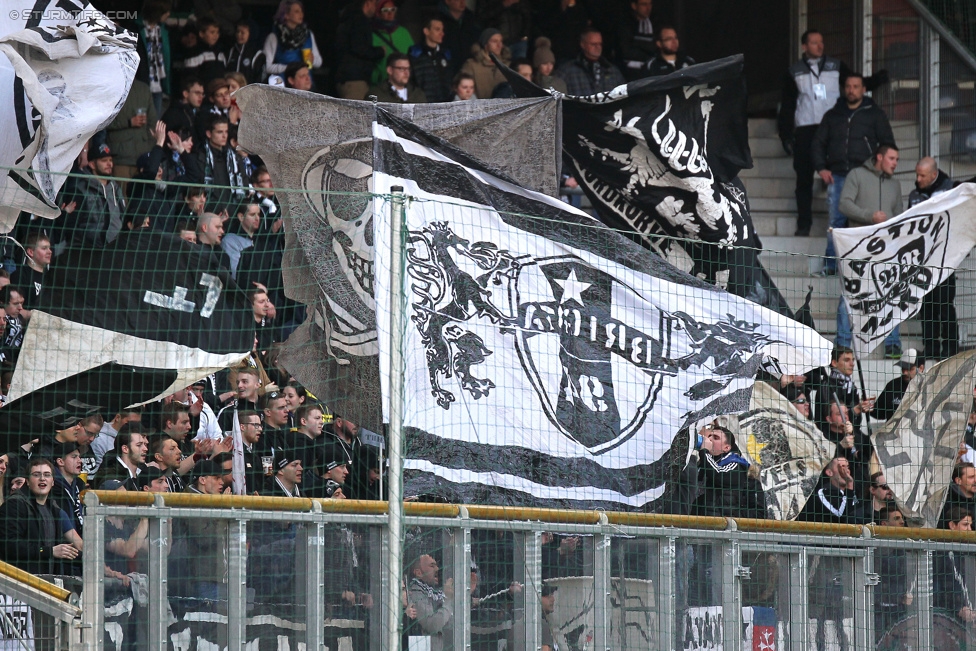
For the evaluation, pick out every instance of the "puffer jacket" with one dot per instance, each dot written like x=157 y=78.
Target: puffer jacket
x=847 y=138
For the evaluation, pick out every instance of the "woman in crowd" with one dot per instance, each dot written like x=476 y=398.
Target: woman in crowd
x=480 y=66
x=291 y=41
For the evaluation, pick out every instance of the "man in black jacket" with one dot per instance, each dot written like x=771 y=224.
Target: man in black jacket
x=911 y=363
x=848 y=135
x=31 y=531
x=432 y=63
x=725 y=488
x=940 y=329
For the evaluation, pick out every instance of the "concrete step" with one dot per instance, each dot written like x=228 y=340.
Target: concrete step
x=763 y=127
x=772 y=188
x=784 y=204
x=767 y=147
x=766 y=167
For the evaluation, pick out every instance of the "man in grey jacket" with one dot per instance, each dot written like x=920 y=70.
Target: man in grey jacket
x=871 y=196
x=433 y=605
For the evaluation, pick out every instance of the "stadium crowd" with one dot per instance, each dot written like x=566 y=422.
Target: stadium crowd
x=179 y=125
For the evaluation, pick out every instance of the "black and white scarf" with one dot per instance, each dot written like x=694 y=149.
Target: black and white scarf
x=154 y=52
x=292 y=39
x=436 y=596
x=233 y=170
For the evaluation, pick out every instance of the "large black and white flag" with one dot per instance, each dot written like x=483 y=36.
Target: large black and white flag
x=549 y=360
x=917 y=445
x=65 y=73
x=888 y=268
x=148 y=300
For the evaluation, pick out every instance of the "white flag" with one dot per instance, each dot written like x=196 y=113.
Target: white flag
x=66 y=72
x=888 y=268
x=548 y=359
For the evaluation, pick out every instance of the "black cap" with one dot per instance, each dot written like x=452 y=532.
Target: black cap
x=148 y=475
x=284 y=457
x=207 y=468
x=103 y=151
x=548 y=590
x=65 y=449
x=111 y=485
x=332 y=456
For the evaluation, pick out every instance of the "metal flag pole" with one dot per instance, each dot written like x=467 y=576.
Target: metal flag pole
x=864 y=395
x=395 y=513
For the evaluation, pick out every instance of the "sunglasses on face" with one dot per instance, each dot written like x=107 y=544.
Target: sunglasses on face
x=883 y=487
x=800 y=401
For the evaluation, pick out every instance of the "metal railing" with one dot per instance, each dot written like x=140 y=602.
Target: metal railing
x=37 y=614
x=642 y=581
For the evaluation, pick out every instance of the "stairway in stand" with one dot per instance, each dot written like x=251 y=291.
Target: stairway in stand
x=790 y=259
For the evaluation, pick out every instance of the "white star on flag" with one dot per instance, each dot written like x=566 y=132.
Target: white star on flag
x=572 y=288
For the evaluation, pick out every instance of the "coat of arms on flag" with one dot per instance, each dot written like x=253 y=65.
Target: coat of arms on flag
x=549 y=359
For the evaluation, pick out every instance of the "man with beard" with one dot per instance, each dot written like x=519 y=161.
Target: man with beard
x=434 y=615
x=345 y=434
x=97 y=220
x=669 y=57
x=961 y=491
x=848 y=135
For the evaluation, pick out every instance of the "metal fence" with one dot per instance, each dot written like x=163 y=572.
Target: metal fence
x=631 y=581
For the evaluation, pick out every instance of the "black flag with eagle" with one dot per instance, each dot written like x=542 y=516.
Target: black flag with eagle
x=661 y=157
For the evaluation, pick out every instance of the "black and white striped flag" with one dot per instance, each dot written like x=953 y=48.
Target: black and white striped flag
x=550 y=360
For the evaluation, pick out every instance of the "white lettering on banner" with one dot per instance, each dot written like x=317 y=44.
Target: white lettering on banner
x=703 y=628
x=179 y=303
x=213 y=285
x=16 y=625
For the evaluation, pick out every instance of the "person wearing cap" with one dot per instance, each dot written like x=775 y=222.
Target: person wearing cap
x=327 y=478
x=66 y=493
x=590 y=73
x=345 y=433
x=154 y=480
x=97 y=219
x=911 y=363
x=33 y=530
x=288 y=474
x=431 y=62
x=799 y=399
x=543 y=63
x=480 y=66
x=204 y=540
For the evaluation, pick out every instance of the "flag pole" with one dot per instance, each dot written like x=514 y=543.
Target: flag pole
x=395 y=512
x=864 y=394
